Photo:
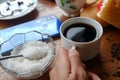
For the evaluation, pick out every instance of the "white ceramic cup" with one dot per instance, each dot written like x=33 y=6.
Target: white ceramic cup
x=87 y=50
x=71 y=8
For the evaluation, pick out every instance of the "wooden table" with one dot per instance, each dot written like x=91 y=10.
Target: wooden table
x=106 y=64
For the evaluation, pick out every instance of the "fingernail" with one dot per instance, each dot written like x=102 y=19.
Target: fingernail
x=73 y=47
x=72 y=50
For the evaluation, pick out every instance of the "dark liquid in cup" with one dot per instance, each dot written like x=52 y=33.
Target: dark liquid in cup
x=80 y=32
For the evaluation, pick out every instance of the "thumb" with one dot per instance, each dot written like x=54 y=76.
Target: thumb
x=93 y=76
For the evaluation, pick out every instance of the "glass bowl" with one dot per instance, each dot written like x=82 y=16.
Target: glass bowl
x=19 y=39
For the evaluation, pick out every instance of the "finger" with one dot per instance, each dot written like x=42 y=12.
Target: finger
x=75 y=60
x=61 y=55
x=62 y=61
x=93 y=76
x=84 y=66
x=58 y=45
x=59 y=48
x=77 y=70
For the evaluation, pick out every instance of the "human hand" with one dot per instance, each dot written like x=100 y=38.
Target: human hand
x=68 y=66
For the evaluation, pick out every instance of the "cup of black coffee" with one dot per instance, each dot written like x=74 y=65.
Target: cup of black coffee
x=84 y=33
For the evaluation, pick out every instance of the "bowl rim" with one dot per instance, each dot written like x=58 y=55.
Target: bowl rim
x=26 y=33
x=31 y=71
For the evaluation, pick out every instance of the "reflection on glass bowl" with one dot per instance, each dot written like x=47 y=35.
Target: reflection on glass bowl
x=22 y=67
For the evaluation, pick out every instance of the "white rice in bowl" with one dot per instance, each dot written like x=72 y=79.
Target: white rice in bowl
x=40 y=57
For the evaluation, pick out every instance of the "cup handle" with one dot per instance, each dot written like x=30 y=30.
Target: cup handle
x=90 y=3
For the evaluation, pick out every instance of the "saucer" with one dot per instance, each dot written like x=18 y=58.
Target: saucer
x=12 y=9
